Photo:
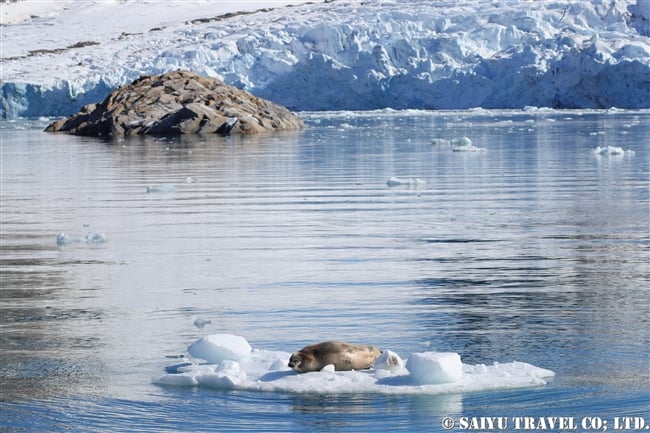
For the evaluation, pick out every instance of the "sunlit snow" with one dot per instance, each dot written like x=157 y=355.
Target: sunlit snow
x=347 y=54
x=233 y=365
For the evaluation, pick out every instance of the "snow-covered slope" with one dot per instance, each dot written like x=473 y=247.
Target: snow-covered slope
x=343 y=54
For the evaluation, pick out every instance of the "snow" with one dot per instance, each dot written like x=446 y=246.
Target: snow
x=267 y=370
x=435 y=367
x=389 y=360
x=220 y=347
x=341 y=55
x=63 y=239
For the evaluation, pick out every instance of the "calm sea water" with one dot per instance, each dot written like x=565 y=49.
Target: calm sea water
x=535 y=250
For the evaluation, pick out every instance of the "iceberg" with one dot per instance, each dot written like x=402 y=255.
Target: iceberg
x=234 y=366
x=344 y=55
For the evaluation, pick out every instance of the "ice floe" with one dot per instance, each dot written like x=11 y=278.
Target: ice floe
x=405 y=181
x=63 y=239
x=458 y=144
x=235 y=366
x=612 y=151
x=161 y=188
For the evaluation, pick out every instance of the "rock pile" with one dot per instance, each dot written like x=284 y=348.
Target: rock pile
x=174 y=103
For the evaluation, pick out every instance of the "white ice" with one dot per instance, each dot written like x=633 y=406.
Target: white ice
x=163 y=188
x=266 y=370
x=612 y=151
x=458 y=144
x=348 y=54
x=468 y=148
x=220 y=347
x=431 y=368
x=405 y=181
x=63 y=239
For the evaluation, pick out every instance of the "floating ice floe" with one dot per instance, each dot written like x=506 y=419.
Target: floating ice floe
x=161 y=188
x=234 y=366
x=90 y=239
x=612 y=151
x=464 y=144
x=459 y=144
x=200 y=322
x=402 y=181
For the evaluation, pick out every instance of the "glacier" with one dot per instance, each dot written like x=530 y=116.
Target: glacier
x=338 y=54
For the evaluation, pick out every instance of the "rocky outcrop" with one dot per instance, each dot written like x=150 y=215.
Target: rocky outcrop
x=176 y=103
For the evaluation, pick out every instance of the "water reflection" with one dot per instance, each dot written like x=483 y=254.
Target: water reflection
x=535 y=250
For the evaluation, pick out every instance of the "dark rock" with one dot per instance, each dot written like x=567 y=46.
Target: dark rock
x=176 y=103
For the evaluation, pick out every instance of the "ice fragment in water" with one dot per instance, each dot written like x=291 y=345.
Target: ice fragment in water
x=612 y=150
x=459 y=144
x=95 y=238
x=440 y=142
x=461 y=141
x=411 y=181
x=200 y=323
x=91 y=238
x=161 y=188
x=435 y=367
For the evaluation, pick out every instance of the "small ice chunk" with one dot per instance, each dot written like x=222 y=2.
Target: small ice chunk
x=219 y=347
x=161 y=188
x=63 y=239
x=190 y=179
x=440 y=142
x=400 y=181
x=461 y=141
x=613 y=151
x=470 y=148
x=200 y=322
x=95 y=238
x=91 y=238
x=435 y=367
x=389 y=360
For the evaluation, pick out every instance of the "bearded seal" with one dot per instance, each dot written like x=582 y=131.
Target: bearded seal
x=344 y=357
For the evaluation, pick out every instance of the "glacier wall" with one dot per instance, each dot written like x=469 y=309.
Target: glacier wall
x=374 y=54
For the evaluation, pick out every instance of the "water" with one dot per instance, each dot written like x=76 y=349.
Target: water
x=535 y=250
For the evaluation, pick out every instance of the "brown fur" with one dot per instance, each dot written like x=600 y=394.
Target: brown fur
x=344 y=357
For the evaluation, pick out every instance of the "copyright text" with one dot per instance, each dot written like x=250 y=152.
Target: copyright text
x=546 y=423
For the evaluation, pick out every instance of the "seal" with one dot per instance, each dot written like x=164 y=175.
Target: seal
x=344 y=357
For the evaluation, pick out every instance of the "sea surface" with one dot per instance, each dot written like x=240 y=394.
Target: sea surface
x=534 y=249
